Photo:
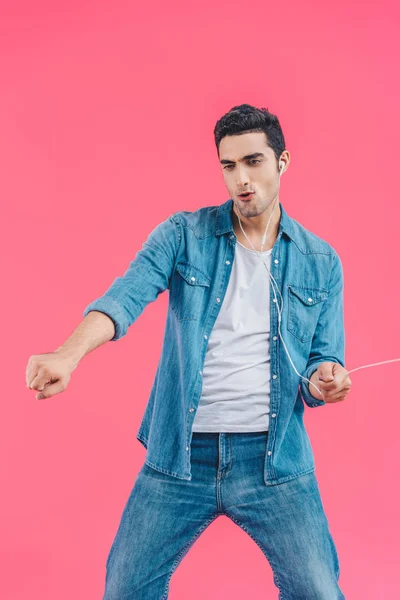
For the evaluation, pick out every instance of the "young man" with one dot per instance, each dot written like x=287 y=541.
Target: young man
x=223 y=426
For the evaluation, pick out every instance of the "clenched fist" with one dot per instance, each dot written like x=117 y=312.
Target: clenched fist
x=333 y=380
x=49 y=373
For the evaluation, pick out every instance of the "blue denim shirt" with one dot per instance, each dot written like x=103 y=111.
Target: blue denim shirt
x=191 y=254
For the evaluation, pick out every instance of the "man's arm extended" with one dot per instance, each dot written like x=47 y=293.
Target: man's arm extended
x=108 y=317
x=328 y=343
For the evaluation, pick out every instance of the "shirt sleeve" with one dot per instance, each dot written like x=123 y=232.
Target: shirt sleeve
x=146 y=277
x=328 y=343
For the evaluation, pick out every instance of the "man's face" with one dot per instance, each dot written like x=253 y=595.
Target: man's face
x=248 y=163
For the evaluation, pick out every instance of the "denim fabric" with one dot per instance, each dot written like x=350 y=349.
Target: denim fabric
x=191 y=254
x=164 y=516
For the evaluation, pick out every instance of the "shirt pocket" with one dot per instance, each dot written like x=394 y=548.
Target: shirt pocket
x=305 y=305
x=188 y=291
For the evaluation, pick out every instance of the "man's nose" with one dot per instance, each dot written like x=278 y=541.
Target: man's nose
x=242 y=177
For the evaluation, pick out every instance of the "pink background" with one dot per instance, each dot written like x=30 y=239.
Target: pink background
x=107 y=113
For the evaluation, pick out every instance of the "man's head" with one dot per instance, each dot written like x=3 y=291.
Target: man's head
x=250 y=146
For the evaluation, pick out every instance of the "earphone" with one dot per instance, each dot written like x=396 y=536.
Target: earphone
x=280 y=308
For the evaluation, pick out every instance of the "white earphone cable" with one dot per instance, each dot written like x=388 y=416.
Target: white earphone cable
x=280 y=309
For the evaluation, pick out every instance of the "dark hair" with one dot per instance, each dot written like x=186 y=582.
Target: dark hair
x=246 y=118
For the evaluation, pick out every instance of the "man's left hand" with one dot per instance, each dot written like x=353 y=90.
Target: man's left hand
x=333 y=380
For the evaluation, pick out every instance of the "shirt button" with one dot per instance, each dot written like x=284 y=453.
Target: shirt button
x=274 y=376
x=205 y=337
x=274 y=300
x=232 y=236
x=201 y=372
x=275 y=338
x=269 y=452
x=310 y=299
x=191 y=409
x=227 y=262
x=273 y=415
x=218 y=299
x=193 y=278
x=187 y=447
x=276 y=261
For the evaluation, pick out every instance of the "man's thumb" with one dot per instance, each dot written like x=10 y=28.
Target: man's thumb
x=50 y=390
x=325 y=372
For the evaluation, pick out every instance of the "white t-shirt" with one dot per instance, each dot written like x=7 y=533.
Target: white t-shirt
x=236 y=375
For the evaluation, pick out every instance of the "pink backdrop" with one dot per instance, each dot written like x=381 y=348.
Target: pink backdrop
x=105 y=110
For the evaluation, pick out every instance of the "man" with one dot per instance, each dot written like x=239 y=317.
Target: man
x=223 y=426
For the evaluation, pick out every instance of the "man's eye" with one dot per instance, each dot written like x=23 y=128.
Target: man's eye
x=250 y=161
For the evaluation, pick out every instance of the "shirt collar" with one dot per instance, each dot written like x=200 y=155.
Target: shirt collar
x=225 y=224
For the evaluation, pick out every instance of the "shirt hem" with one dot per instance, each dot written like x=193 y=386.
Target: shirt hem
x=188 y=477
x=230 y=430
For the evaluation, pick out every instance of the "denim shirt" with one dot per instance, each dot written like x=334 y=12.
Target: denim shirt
x=191 y=254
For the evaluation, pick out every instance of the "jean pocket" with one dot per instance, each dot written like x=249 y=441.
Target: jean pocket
x=305 y=305
x=188 y=291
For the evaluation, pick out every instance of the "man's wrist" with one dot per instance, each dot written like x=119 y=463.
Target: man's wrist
x=314 y=379
x=72 y=356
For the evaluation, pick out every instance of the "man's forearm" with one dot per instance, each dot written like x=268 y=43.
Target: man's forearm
x=95 y=329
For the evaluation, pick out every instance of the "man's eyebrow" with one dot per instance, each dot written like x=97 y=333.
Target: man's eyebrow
x=255 y=155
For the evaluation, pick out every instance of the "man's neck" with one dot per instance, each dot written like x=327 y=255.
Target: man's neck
x=255 y=232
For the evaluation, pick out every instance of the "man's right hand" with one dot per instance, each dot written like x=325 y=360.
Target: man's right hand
x=49 y=373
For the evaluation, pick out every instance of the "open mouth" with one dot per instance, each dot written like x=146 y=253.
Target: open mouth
x=246 y=196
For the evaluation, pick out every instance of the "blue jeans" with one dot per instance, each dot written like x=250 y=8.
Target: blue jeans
x=164 y=516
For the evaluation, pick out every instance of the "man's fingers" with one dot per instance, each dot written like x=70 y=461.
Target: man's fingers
x=336 y=395
x=51 y=390
x=327 y=386
x=339 y=383
x=335 y=398
x=39 y=382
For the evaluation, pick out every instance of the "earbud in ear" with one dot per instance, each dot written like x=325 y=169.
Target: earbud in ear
x=281 y=166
